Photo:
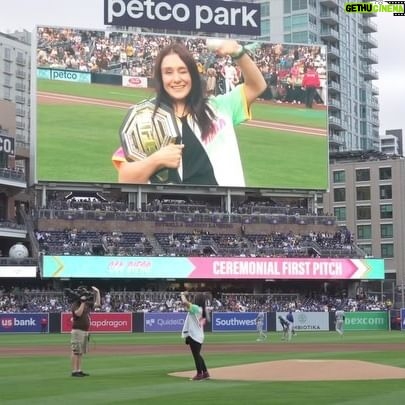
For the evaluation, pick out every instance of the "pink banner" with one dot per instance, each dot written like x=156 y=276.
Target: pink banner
x=282 y=268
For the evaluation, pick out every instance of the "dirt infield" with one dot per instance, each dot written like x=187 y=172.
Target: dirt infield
x=286 y=370
x=304 y=370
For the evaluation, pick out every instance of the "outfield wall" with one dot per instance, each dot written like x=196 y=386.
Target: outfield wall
x=156 y=322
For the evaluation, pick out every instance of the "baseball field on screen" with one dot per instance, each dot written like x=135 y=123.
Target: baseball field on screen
x=78 y=125
x=35 y=369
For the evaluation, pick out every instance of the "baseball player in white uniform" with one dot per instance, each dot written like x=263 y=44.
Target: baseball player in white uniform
x=260 y=326
x=339 y=321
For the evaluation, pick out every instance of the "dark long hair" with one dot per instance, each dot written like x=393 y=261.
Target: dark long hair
x=196 y=100
x=200 y=300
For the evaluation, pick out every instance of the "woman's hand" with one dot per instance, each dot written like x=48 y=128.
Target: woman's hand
x=223 y=47
x=169 y=156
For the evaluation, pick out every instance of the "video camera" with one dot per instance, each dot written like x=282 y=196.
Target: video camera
x=80 y=294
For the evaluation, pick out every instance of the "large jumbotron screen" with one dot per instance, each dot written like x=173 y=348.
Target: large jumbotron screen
x=86 y=81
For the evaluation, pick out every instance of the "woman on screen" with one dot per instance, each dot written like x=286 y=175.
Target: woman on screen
x=207 y=151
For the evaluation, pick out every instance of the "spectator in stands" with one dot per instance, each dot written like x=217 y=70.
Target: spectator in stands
x=207 y=151
x=310 y=83
x=79 y=340
x=44 y=324
x=193 y=331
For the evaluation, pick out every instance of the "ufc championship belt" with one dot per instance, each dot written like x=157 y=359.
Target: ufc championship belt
x=143 y=132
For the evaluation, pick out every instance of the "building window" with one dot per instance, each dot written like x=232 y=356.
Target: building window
x=287 y=23
x=364 y=212
x=299 y=22
x=386 y=211
x=340 y=213
x=363 y=231
x=287 y=6
x=7 y=54
x=300 y=37
x=386 y=192
x=299 y=5
x=363 y=193
x=385 y=173
x=7 y=93
x=339 y=176
x=367 y=249
x=363 y=175
x=339 y=194
x=387 y=231
x=387 y=250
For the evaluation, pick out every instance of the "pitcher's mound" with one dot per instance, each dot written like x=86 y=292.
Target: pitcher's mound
x=304 y=370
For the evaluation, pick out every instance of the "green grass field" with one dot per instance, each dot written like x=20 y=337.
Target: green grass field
x=76 y=142
x=144 y=379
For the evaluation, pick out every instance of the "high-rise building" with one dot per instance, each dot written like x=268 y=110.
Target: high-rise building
x=366 y=195
x=15 y=105
x=392 y=142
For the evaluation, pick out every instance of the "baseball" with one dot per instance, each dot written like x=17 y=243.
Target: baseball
x=214 y=43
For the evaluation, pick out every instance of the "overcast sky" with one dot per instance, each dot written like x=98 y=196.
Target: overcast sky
x=26 y=14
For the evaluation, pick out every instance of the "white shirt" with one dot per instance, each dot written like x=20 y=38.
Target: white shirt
x=192 y=325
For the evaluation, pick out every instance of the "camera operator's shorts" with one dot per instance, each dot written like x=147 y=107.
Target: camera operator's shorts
x=79 y=341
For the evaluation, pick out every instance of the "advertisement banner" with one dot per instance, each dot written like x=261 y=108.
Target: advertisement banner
x=306 y=321
x=7 y=145
x=101 y=322
x=62 y=74
x=235 y=322
x=21 y=322
x=372 y=320
x=230 y=17
x=18 y=271
x=164 y=321
x=212 y=268
x=135 y=81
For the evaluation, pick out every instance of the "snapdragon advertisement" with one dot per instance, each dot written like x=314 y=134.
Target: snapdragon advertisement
x=212 y=268
x=101 y=322
x=92 y=116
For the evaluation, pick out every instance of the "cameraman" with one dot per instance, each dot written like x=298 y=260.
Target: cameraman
x=81 y=307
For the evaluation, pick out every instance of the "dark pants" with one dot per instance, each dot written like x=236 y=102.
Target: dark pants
x=198 y=360
x=309 y=96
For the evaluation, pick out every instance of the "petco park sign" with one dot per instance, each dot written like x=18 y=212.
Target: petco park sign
x=202 y=15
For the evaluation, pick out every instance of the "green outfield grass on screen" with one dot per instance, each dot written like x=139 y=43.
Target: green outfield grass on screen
x=285 y=145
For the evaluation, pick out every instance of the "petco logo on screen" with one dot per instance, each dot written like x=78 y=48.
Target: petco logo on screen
x=203 y=15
